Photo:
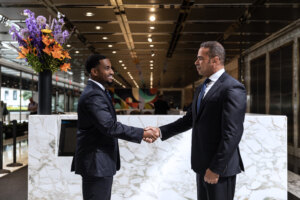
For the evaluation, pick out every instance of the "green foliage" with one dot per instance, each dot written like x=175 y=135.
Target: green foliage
x=27 y=95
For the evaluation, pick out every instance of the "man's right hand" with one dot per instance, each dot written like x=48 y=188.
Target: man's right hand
x=151 y=134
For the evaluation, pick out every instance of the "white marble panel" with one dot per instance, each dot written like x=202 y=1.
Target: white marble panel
x=161 y=170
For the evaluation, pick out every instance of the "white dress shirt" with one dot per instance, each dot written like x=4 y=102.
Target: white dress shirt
x=99 y=84
x=213 y=78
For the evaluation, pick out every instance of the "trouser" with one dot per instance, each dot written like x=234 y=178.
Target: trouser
x=96 y=188
x=223 y=190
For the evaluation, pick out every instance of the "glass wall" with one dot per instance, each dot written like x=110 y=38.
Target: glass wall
x=60 y=106
x=281 y=85
x=11 y=94
x=18 y=87
x=258 y=85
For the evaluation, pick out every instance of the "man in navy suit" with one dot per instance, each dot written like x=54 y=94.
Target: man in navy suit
x=216 y=116
x=97 y=156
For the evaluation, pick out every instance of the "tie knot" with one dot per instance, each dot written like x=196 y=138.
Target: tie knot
x=206 y=81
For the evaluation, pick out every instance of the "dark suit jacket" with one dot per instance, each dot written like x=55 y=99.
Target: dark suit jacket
x=97 y=150
x=217 y=127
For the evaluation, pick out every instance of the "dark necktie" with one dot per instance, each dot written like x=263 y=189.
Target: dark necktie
x=202 y=93
x=107 y=93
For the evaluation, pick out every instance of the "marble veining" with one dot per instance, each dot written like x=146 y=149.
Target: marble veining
x=161 y=170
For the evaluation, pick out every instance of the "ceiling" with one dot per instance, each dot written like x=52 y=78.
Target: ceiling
x=179 y=28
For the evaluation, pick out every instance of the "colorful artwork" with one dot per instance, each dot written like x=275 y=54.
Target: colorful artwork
x=134 y=98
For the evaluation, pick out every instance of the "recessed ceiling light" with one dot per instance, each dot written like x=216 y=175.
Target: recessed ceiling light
x=149 y=35
x=68 y=45
x=76 y=51
x=151 y=67
x=152 y=9
x=149 y=39
x=110 y=45
x=89 y=14
x=114 y=52
x=153 y=54
x=105 y=38
x=152 y=18
x=151 y=45
x=152 y=27
x=98 y=27
x=125 y=67
x=123 y=64
x=151 y=61
x=120 y=61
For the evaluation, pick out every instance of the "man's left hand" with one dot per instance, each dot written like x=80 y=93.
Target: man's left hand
x=211 y=177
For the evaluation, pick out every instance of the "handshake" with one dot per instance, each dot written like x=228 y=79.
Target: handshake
x=151 y=134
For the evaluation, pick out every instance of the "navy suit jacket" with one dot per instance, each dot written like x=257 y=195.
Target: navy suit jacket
x=97 y=150
x=217 y=127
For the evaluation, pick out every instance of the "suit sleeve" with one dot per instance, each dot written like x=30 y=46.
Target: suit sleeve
x=98 y=110
x=234 y=108
x=179 y=126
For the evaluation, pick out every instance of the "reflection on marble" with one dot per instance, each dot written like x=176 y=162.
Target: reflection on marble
x=161 y=170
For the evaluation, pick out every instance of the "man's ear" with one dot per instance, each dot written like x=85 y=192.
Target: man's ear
x=94 y=72
x=216 y=60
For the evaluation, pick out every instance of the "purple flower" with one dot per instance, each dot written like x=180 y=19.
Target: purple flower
x=25 y=33
x=59 y=38
x=28 y=13
x=32 y=26
x=61 y=21
x=16 y=36
x=65 y=35
x=41 y=21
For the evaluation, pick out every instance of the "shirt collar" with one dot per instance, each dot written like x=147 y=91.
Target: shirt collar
x=214 y=77
x=99 y=84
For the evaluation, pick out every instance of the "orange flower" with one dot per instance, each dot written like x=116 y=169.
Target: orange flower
x=66 y=54
x=34 y=51
x=56 y=53
x=47 y=50
x=24 y=50
x=21 y=56
x=65 y=67
x=47 y=41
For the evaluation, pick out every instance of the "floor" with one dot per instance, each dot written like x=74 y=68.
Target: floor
x=14 y=185
x=21 y=156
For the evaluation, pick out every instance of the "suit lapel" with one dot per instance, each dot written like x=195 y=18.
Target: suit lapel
x=110 y=105
x=212 y=90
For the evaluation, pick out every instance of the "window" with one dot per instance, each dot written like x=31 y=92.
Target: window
x=15 y=97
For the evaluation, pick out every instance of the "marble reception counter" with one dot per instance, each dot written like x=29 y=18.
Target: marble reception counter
x=161 y=170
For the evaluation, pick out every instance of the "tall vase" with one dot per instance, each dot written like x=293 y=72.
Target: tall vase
x=45 y=90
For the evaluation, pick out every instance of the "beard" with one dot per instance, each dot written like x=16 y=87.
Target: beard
x=109 y=83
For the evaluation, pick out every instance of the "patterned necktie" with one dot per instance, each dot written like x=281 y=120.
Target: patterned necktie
x=202 y=93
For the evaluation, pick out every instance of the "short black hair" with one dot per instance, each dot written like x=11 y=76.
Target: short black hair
x=215 y=49
x=93 y=61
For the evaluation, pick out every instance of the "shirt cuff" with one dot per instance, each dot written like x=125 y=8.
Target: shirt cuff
x=159 y=133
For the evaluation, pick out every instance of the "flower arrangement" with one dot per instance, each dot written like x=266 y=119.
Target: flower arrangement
x=41 y=44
